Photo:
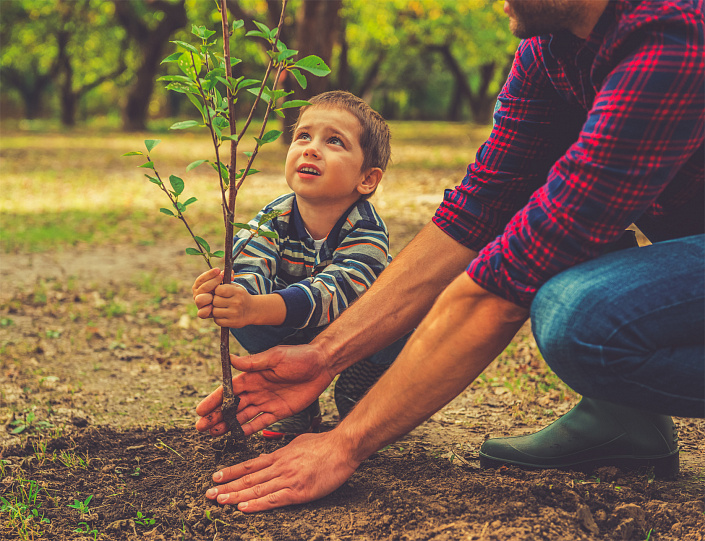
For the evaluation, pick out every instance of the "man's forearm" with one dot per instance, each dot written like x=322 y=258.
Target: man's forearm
x=397 y=301
x=466 y=329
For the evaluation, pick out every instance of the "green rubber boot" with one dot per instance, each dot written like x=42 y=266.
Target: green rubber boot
x=591 y=435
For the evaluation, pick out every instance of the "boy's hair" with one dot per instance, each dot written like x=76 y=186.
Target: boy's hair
x=374 y=136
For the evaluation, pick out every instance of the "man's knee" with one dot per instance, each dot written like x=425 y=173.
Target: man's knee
x=563 y=319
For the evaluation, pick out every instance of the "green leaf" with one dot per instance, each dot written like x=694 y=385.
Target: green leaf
x=186 y=46
x=172 y=58
x=182 y=88
x=177 y=184
x=148 y=165
x=287 y=53
x=197 y=104
x=256 y=34
x=314 y=65
x=185 y=124
x=263 y=27
x=268 y=234
x=229 y=138
x=268 y=137
x=217 y=253
x=203 y=243
x=201 y=31
x=192 y=251
x=269 y=95
x=134 y=153
x=176 y=78
x=251 y=172
x=247 y=83
x=189 y=201
x=237 y=24
x=195 y=164
x=151 y=143
x=234 y=61
x=300 y=78
x=294 y=103
x=268 y=216
x=167 y=212
x=154 y=180
x=241 y=225
x=190 y=64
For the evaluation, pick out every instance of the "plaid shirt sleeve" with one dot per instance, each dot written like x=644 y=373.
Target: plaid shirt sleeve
x=561 y=206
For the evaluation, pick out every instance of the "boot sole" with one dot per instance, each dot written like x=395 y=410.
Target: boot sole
x=665 y=467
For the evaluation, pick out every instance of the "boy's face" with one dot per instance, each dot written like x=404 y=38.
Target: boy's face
x=324 y=161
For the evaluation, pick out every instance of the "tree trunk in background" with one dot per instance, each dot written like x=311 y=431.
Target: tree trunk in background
x=152 y=42
x=317 y=30
x=480 y=102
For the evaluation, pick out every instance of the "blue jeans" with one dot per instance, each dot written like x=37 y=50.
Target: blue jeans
x=629 y=327
x=258 y=338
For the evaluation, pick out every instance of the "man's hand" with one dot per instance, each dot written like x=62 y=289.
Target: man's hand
x=274 y=385
x=287 y=476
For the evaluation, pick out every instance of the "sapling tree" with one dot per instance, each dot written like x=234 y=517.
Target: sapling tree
x=207 y=81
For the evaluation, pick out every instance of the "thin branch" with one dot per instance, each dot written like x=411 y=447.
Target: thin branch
x=214 y=138
x=269 y=69
x=181 y=216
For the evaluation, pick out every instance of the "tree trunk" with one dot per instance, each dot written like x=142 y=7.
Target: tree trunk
x=151 y=43
x=482 y=104
x=317 y=28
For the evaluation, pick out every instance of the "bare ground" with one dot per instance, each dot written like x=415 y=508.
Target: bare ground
x=103 y=362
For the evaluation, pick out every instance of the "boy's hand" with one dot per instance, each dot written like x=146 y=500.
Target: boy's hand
x=203 y=289
x=233 y=306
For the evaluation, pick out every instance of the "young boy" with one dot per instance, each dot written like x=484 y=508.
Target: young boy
x=332 y=245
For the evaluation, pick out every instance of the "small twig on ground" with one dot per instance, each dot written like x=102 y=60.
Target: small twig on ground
x=162 y=445
x=484 y=531
x=460 y=458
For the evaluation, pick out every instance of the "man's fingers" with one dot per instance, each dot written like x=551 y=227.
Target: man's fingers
x=252 y=363
x=271 y=499
x=259 y=423
x=209 y=421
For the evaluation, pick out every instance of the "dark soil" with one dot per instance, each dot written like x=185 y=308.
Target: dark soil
x=104 y=377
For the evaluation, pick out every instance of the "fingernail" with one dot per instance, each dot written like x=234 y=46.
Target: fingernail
x=242 y=506
x=223 y=498
x=212 y=493
x=217 y=477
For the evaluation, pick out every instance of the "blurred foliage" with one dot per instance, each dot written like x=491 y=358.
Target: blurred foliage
x=418 y=59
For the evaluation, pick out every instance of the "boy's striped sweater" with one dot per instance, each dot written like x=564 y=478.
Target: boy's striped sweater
x=316 y=287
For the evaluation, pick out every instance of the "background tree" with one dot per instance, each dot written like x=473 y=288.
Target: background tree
x=150 y=25
x=85 y=27
x=28 y=52
x=410 y=59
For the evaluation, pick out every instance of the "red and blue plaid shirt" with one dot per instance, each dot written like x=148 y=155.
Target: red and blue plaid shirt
x=590 y=136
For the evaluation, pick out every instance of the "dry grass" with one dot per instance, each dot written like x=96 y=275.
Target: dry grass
x=69 y=189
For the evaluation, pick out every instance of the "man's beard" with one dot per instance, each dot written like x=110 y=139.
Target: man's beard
x=538 y=17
